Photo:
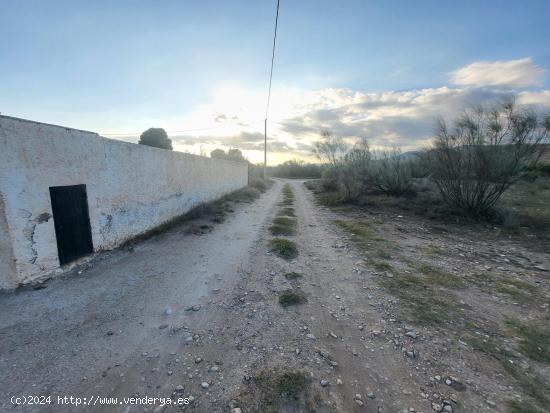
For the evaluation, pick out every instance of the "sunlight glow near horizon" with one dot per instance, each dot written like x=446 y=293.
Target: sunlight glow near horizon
x=377 y=70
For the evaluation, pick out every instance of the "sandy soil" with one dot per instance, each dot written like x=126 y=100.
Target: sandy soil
x=180 y=311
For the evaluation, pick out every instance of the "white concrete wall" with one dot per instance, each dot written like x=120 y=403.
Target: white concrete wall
x=131 y=188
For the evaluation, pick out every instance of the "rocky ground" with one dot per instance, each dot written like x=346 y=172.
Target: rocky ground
x=398 y=314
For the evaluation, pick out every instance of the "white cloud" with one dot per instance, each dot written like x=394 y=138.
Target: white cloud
x=518 y=73
x=234 y=116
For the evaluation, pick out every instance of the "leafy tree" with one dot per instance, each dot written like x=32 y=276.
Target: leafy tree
x=155 y=137
x=231 y=155
x=218 y=154
x=236 y=155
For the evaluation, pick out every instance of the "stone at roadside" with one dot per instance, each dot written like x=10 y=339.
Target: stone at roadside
x=205 y=385
x=324 y=383
x=437 y=407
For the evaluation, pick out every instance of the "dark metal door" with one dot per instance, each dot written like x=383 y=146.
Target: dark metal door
x=72 y=222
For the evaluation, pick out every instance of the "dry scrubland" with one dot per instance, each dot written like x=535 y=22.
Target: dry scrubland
x=478 y=283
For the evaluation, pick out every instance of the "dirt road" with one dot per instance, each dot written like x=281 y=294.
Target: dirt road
x=198 y=316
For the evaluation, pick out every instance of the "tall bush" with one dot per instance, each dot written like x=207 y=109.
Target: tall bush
x=480 y=155
x=393 y=173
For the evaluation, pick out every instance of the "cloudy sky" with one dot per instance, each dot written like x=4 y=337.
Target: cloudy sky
x=382 y=69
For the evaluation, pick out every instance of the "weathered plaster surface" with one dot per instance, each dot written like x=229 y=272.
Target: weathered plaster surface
x=131 y=188
x=7 y=260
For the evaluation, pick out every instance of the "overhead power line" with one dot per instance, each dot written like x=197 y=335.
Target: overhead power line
x=269 y=88
x=272 y=61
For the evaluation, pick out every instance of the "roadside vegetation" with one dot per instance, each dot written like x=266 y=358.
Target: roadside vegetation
x=487 y=172
x=291 y=297
x=202 y=216
x=430 y=296
x=276 y=390
x=491 y=164
x=285 y=224
x=296 y=169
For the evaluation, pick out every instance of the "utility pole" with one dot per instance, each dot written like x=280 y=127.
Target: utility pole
x=265 y=147
x=269 y=89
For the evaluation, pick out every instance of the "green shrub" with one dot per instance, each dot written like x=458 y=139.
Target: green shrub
x=290 y=297
x=477 y=159
x=284 y=248
x=258 y=183
x=392 y=173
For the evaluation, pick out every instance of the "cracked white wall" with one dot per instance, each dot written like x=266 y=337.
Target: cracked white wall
x=131 y=188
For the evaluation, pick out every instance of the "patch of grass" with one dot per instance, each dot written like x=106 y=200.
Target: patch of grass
x=525 y=205
x=215 y=211
x=440 y=277
x=383 y=254
x=400 y=282
x=292 y=275
x=282 y=230
x=285 y=221
x=482 y=278
x=534 y=341
x=288 y=196
x=287 y=190
x=382 y=266
x=522 y=285
x=469 y=324
x=421 y=302
x=511 y=291
x=291 y=297
x=284 y=248
x=490 y=348
x=364 y=236
x=532 y=384
x=525 y=407
x=431 y=250
x=287 y=211
x=360 y=229
x=260 y=184
x=429 y=313
x=277 y=390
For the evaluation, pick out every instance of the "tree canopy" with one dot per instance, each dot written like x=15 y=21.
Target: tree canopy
x=156 y=137
x=231 y=155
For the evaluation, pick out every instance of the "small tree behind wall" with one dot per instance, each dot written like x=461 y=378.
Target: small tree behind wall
x=156 y=137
